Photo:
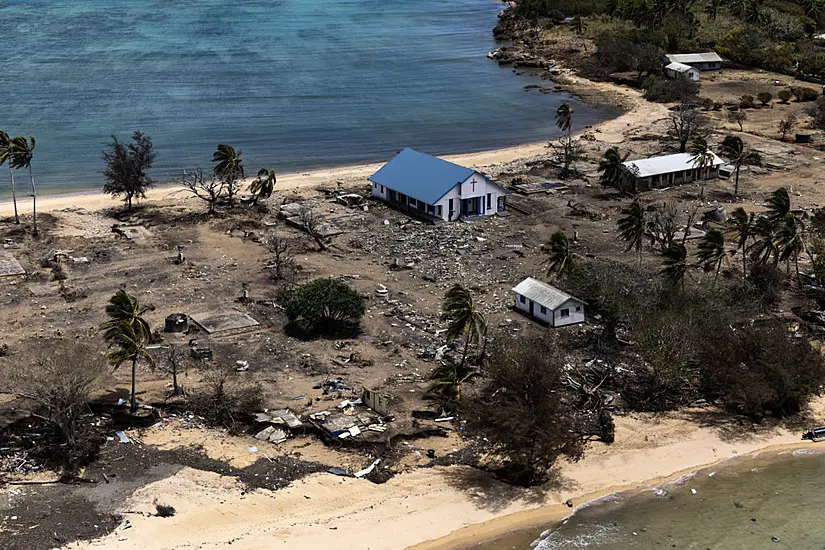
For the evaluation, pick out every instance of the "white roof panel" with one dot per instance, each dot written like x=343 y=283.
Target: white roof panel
x=709 y=57
x=667 y=164
x=542 y=293
x=680 y=67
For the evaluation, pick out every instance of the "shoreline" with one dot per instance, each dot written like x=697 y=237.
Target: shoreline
x=551 y=516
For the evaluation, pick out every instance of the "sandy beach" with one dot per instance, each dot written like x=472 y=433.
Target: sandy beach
x=429 y=508
x=611 y=131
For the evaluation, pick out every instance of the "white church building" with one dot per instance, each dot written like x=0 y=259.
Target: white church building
x=436 y=189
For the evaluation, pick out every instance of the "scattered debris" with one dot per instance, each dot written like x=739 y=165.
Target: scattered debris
x=368 y=470
x=9 y=266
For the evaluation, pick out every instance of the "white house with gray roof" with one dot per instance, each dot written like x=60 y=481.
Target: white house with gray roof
x=709 y=61
x=547 y=303
x=673 y=70
x=668 y=170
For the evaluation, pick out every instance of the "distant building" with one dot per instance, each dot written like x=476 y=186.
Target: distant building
x=675 y=69
x=547 y=303
x=433 y=188
x=664 y=171
x=709 y=61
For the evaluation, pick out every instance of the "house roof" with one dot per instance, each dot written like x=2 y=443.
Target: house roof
x=709 y=57
x=420 y=176
x=542 y=293
x=666 y=164
x=680 y=67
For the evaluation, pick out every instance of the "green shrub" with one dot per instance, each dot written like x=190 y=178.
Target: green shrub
x=669 y=90
x=784 y=96
x=324 y=306
x=803 y=93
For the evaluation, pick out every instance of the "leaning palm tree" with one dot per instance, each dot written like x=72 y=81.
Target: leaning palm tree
x=564 y=117
x=702 y=157
x=733 y=149
x=633 y=227
x=675 y=265
x=21 y=151
x=779 y=204
x=560 y=257
x=127 y=333
x=229 y=168
x=448 y=377
x=711 y=251
x=764 y=247
x=5 y=149
x=789 y=240
x=612 y=169
x=741 y=229
x=262 y=186
x=463 y=319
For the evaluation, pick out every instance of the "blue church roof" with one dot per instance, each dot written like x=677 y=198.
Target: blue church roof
x=420 y=176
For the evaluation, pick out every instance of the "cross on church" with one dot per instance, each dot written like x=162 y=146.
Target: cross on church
x=473 y=183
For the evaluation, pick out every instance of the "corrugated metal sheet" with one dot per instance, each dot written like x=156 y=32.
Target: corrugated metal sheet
x=709 y=57
x=667 y=164
x=421 y=176
x=679 y=67
x=542 y=293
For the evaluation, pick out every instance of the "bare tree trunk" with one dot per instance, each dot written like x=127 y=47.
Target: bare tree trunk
x=34 y=199
x=133 y=404
x=736 y=184
x=14 y=195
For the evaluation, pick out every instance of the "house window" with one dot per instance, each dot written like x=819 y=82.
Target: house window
x=438 y=210
x=489 y=201
x=382 y=188
x=578 y=309
x=522 y=299
x=543 y=310
x=564 y=313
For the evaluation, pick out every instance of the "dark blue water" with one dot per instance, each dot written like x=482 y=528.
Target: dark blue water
x=295 y=84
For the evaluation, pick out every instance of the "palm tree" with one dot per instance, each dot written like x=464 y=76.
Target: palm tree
x=448 y=377
x=263 y=185
x=789 y=240
x=564 y=117
x=228 y=167
x=5 y=149
x=733 y=149
x=21 y=151
x=779 y=204
x=612 y=169
x=560 y=258
x=633 y=227
x=712 y=251
x=675 y=264
x=702 y=158
x=764 y=247
x=127 y=333
x=741 y=230
x=463 y=319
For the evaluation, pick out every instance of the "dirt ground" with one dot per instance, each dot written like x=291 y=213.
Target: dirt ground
x=374 y=249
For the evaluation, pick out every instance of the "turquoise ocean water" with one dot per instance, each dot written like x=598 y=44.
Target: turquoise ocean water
x=772 y=502
x=295 y=84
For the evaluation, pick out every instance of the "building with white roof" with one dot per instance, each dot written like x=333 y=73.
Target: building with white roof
x=675 y=69
x=547 y=303
x=709 y=61
x=668 y=170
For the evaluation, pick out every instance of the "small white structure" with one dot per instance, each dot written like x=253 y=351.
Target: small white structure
x=547 y=303
x=675 y=69
x=434 y=188
x=667 y=170
x=709 y=61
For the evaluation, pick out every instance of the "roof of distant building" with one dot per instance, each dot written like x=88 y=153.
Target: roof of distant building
x=680 y=67
x=542 y=293
x=421 y=176
x=667 y=164
x=709 y=57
